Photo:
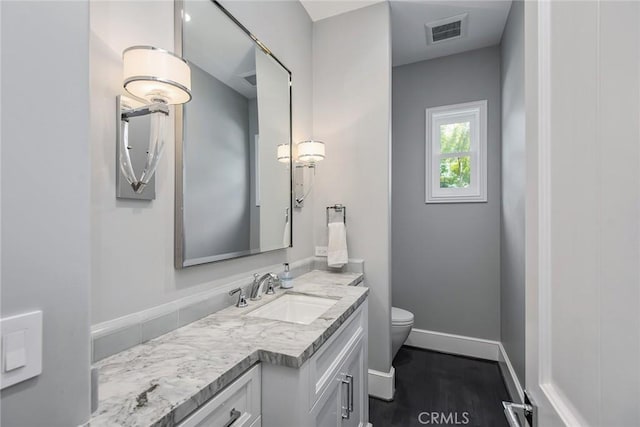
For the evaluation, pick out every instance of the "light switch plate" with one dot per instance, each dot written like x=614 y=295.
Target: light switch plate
x=15 y=354
x=20 y=348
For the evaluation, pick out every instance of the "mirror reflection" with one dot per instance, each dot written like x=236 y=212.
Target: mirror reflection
x=233 y=195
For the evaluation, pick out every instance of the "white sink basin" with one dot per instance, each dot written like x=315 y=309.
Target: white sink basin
x=292 y=308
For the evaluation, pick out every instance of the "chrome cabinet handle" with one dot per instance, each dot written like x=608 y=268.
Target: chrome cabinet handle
x=348 y=414
x=349 y=383
x=350 y=402
x=235 y=414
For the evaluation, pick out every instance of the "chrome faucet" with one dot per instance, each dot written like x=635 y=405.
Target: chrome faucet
x=258 y=283
x=242 y=298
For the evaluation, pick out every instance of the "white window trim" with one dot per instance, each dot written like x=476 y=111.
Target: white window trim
x=477 y=193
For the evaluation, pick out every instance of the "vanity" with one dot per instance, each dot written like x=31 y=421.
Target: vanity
x=327 y=390
x=236 y=368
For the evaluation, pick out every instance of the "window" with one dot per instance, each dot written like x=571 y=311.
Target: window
x=456 y=147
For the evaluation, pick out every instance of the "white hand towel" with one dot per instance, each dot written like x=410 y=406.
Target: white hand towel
x=337 y=255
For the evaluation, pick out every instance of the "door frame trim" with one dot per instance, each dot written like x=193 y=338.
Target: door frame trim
x=539 y=327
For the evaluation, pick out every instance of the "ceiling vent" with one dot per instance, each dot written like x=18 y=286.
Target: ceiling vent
x=451 y=28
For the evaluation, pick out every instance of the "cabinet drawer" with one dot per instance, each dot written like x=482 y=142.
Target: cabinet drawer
x=239 y=401
x=324 y=364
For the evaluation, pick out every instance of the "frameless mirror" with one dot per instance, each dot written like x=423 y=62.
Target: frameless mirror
x=233 y=141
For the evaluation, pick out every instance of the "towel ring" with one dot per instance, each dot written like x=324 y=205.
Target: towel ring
x=338 y=208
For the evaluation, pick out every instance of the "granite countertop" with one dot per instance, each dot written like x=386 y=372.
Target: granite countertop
x=160 y=382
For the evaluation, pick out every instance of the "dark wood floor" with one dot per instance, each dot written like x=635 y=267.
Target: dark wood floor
x=442 y=387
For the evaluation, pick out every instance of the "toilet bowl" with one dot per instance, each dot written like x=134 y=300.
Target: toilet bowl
x=401 y=324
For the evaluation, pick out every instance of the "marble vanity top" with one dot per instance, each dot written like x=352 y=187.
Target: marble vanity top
x=160 y=382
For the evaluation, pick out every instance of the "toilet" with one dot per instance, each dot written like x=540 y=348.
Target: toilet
x=401 y=324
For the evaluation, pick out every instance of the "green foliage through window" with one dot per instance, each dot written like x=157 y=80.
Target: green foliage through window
x=455 y=137
x=455 y=172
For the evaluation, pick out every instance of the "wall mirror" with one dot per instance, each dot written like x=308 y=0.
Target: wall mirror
x=233 y=141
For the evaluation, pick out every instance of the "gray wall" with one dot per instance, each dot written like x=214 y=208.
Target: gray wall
x=217 y=177
x=446 y=257
x=351 y=114
x=45 y=202
x=512 y=290
x=142 y=268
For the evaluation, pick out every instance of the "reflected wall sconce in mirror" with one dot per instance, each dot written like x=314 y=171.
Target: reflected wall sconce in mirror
x=284 y=153
x=309 y=153
x=155 y=79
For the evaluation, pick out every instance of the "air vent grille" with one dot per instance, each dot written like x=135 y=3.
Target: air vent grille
x=451 y=28
x=446 y=31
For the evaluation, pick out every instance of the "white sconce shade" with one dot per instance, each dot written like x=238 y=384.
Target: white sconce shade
x=311 y=151
x=156 y=75
x=284 y=153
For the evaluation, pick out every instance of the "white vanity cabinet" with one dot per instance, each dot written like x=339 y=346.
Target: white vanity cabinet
x=237 y=405
x=329 y=390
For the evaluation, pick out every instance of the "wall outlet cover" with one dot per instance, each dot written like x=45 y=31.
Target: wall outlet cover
x=321 y=251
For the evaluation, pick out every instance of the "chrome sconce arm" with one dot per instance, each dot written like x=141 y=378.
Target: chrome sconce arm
x=159 y=112
x=300 y=193
x=157 y=107
x=308 y=154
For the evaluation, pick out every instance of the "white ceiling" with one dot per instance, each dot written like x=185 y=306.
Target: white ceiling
x=485 y=19
x=320 y=9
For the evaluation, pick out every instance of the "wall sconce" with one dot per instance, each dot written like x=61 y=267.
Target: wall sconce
x=308 y=154
x=156 y=79
x=284 y=153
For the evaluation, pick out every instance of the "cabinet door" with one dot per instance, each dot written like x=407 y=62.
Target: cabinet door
x=354 y=400
x=328 y=414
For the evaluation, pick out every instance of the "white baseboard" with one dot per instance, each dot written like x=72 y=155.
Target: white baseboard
x=510 y=378
x=473 y=347
x=454 y=344
x=382 y=385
